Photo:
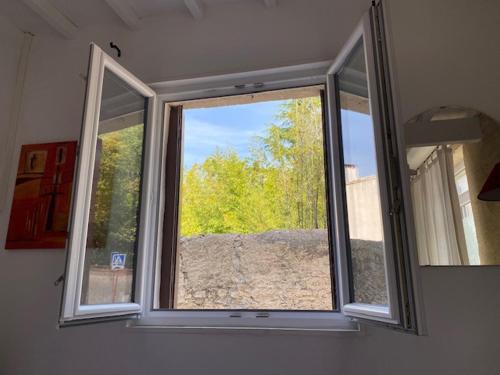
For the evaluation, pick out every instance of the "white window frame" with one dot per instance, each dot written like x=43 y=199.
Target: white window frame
x=402 y=278
x=71 y=309
x=389 y=313
x=219 y=86
x=153 y=194
x=214 y=87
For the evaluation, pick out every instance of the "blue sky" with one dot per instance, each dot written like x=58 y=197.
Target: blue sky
x=235 y=126
x=230 y=126
x=358 y=143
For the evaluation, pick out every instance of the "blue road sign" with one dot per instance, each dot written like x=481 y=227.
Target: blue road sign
x=118 y=261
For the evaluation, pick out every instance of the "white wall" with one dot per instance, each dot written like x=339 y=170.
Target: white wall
x=10 y=41
x=446 y=52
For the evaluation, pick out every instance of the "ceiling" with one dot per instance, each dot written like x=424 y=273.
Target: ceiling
x=150 y=8
x=65 y=17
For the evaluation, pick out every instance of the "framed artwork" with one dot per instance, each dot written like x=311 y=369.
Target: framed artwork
x=42 y=197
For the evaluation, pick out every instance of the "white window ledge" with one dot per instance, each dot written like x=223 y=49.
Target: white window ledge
x=246 y=320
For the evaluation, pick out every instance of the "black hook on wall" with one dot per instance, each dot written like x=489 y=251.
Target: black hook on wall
x=118 y=50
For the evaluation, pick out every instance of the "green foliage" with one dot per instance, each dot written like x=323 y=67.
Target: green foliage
x=281 y=186
x=113 y=225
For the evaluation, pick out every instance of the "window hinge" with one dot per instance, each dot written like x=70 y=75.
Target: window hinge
x=396 y=207
x=408 y=315
x=59 y=280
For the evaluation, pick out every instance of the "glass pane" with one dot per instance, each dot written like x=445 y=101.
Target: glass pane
x=253 y=215
x=361 y=182
x=115 y=203
x=445 y=211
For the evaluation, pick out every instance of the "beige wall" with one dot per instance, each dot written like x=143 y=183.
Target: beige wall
x=479 y=159
x=363 y=204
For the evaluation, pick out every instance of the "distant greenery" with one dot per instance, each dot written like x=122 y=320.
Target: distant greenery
x=114 y=213
x=281 y=186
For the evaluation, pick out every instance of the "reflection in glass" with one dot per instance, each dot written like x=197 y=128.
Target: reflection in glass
x=115 y=203
x=361 y=182
x=451 y=151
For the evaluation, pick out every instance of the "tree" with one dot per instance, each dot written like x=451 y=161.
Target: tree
x=281 y=186
x=295 y=147
x=114 y=215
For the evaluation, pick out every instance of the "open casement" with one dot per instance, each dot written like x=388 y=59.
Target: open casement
x=105 y=273
x=375 y=279
x=110 y=273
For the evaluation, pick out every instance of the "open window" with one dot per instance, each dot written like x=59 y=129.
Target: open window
x=246 y=222
x=370 y=217
x=108 y=244
x=298 y=224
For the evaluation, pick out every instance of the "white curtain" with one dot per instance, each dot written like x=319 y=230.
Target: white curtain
x=438 y=222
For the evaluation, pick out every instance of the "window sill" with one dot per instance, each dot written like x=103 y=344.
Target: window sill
x=198 y=321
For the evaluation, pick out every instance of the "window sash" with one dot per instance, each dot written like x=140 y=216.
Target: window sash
x=388 y=314
x=71 y=308
x=399 y=262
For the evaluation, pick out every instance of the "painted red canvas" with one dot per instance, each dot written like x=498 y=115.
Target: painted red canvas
x=42 y=197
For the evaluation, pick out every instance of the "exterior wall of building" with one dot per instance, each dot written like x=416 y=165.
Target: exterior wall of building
x=287 y=270
x=273 y=270
x=363 y=204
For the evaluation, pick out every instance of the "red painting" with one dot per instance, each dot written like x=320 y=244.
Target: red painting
x=42 y=197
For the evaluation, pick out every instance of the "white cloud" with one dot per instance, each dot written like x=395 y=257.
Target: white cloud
x=210 y=134
x=201 y=138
